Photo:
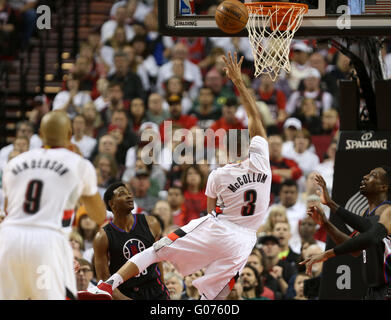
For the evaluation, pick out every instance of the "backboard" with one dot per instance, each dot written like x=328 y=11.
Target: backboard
x=325 y=18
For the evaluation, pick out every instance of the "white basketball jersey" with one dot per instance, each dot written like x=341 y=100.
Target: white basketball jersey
x=41 y=183
x=243 y=189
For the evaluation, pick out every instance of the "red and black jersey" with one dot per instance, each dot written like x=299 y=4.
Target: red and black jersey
x=123 y=246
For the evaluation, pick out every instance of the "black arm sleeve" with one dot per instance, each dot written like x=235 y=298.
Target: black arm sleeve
x=373 y=236
x=355 y=221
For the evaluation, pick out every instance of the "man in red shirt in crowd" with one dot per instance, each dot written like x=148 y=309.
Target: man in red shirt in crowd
x=228 y=119
x=282 y=168
x=274 y=98
x=176 y=116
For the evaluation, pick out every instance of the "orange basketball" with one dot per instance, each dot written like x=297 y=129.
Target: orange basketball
x=231 y=16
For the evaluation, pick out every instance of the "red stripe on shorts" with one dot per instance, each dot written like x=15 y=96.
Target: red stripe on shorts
x=172 y=236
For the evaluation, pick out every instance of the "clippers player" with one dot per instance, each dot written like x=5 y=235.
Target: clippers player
x=122 y=238
x=221 y=241
x=36 y=257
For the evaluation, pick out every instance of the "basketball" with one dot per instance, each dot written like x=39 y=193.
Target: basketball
x=231 y=16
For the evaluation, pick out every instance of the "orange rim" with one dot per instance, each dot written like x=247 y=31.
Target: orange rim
x=282 y=20
x=282 y=6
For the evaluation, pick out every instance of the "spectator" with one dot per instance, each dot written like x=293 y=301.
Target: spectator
x=191 y=73
x=85 y=275
x=342 y=68
x=282 y=167
x=106 y=144
x=83 y=69
x=131 y=83
x=274 y=98
x=145 y=58
x=301 y=154
x=295 y=209
x=174 y=284
x=175 y=86
x=221 y=92
x=92 y=118
x=204 y=108
x=308 y=115
x=155 y=111
x=176 y=201
x=27 y=14
x=288 y=252
x=113 y=45
x=99 y=68
x=291 y=125
x=307 y=230
x=252 y=287
x=85 y=143
x=330 y=123
x=87 y=228
x=119 y=20
x=228 y=119
x=23 y=129
x=8 y=31
x=281 y=270
x=106 y=171
x=312 y=285
x=77 y=243
x=299 y=65
x=72 y=99
x=190 y=292
x=102 y=101
x=255 y=260
x=137 y=114
x=277 y=214
x=176 y=116
x=115 y=101
x=163 y=210
x=119 y=122
x=140 y=185
x=40 y=106
x=327 y=82
x=135 y=10
x=197 y=47
x=326 y=168
x=324 y=100
x=193 y=186
x=299 y=286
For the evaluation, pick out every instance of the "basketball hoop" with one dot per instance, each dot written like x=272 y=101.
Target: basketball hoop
x=271 y=27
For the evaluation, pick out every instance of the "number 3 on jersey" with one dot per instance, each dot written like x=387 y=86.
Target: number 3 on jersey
x=250 y=196
x=33 y=196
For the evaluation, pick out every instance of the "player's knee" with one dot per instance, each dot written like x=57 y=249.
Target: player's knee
x=144 y=259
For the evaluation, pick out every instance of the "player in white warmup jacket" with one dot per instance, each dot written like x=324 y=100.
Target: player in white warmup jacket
x=36 y=257
x=221 y=241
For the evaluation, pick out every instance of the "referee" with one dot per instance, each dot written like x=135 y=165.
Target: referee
x=372 y=235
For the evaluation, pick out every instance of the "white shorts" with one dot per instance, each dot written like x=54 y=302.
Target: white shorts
x=219 y=246
x=36 y=263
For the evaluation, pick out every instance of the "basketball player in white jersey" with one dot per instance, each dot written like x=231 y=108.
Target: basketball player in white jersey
x=36 y=257
x=222 y=241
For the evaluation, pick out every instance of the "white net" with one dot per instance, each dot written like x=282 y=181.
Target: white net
x=270 y=31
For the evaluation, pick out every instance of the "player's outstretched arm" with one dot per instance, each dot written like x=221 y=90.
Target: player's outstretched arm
x=95 y=208
x=233 y=71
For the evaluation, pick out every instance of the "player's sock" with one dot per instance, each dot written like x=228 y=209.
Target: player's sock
x=115 y=280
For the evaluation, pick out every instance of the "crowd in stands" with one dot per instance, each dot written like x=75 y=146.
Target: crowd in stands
x=127 y=79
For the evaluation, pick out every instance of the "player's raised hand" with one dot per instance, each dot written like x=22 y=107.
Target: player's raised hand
x=309 y=262
x=323 y=193
x=317 y=214
x=233 y=67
